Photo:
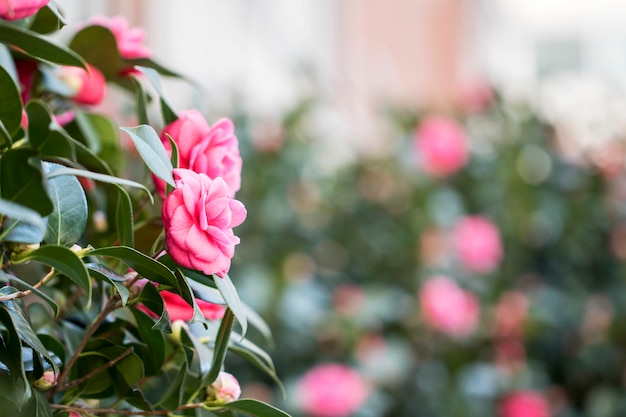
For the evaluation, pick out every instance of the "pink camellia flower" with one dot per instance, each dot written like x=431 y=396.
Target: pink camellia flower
x=441 y=146
x=331 y=390
x=211 y=150
x=447 y=307
x=89 y=86
x=178 y=309
x=223 y=390
x=129 y=40
x=199 y=216
x=477 y=244
x=19 y=9
x=524 y=404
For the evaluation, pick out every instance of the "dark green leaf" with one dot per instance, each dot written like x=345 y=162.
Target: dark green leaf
x=6 y=278
x=63 y=260
x=167 y=110
x=58 y=145
x=229 y=292
x=97 y=45
x=10 y=102
x=11 y=356
x=173 y=397
x=153 y=301
x=102 y=273
x=47 y=20
x=38 y=47
x=152 y=151
x=67 y=221
x=22 y=214
x=253 y=407
x=124 y=217
x=153 y=339
x=142 y=102
x=221 y=347
x=21 y=178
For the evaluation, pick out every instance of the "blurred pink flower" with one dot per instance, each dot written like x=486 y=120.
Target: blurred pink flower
x=510 y=313
x=477 y=244
x=178 y=309
x=331 y=390
x=524 y=404
x=447 y=307
x=441 y=146
x=225 y=389
x=19 y=9
x=211 y=150
x=129 y=40
x=199 y=216
x=89 y=86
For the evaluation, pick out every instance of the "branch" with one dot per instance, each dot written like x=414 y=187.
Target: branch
x=88 y=411
x=21 y=294
x=96 y=371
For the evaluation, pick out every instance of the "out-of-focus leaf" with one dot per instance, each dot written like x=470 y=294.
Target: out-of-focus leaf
x=10 y=102
x=254 y=408
x=62 y=260
x=261 y=364
x=153 y=339
x=167 y=110
x=151 y=298
x=229 y=292
x=6 y=278
x=58 y=145
x=142 y=102
x=39 y=120
x=67 y=221
x=38 y=47
x=221 y=347
x=152 y=151
x=97 y=45
x=21 y=178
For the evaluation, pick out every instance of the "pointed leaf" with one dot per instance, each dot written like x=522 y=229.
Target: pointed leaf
x=104 y=274
x=21 y=178
x=168 y=111
x=10 y=102
x=153 y=301
x=124 y=217
x=221 y=347
x=38 y=47
x=6 y=278
x=229 y=292
x=255 y=408
x=152 y=151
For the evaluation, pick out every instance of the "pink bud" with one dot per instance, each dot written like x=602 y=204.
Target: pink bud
x=89 y=86
x=47 y=381
x=225 y=389
x=477 y=244
x=441 y=146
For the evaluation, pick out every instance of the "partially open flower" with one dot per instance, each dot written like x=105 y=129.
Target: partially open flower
x=225 y=389
x=47 y=381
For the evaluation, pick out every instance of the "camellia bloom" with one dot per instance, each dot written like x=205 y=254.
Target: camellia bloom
x=331 y=390
x=19 y=9
x=223 y=390
x=447 y=307
x=441 y=146
x=477 y=244
x=89 y=86
x=524 y=404
x=129 y=40
x=211 y=150
x=178 y=309
x=199 y=216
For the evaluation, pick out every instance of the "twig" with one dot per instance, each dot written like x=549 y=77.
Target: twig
x=21 y=294
x=82 y=410
x=96 y=371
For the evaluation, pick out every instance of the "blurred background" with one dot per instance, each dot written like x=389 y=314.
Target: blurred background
x=435 y=192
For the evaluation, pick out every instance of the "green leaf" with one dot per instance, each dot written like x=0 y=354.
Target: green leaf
x=67 y=221
x=11 y=356
x=221 y=347
x=21 y=178
x=47 y=20
x=6 y=278
x=98 y=177
x=153 y=301
x=153 y=339
x=62 y=260
x=173 y=397
x=58 y=145
x=147 y=62
x=253 y=407
x=229 y=292
x=102 y=273
x=143 y=264
x=18 y=212
x=97 y=45
x=152 y=151
x=10 y=102
x=124 y=217
x=142 y=102
x=39 y=122
x=38 y=47
x=167 y=110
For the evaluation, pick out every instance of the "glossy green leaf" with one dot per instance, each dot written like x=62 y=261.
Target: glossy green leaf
x=254 y=408
x=10 y=102
x=17 y=212
x=21 y=178
x=97 y=45
x=229 y=292
x=102 y=273
x=62 y=260
x=153 y=339
x=167 y=109
x=58 y=145
x=11 y=356
x=142 y=101
x=47 y=20
x=173 y=396
x=98 y=177
x=23 y=285
x=151 y=298
x=144 y=265
x=37 y=46
x=221 y=347
x=67 y=221
x=5 y=138
x=152 y=151
x=124 y=217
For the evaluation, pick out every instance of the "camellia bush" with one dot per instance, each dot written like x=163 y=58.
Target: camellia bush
x=116 y=241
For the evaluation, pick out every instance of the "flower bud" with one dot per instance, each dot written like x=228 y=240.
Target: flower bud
x=47 y=381
x=225 y=389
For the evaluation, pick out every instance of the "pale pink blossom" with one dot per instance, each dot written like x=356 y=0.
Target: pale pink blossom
x=441 y=146
x=129 y=40
x=89 y=86
x=524 y=403
x=223 y=390
x=477 y=244
x=211 y=150
x=447 y=307
x=19 y=9
x=331 y=390
x=199 y=216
